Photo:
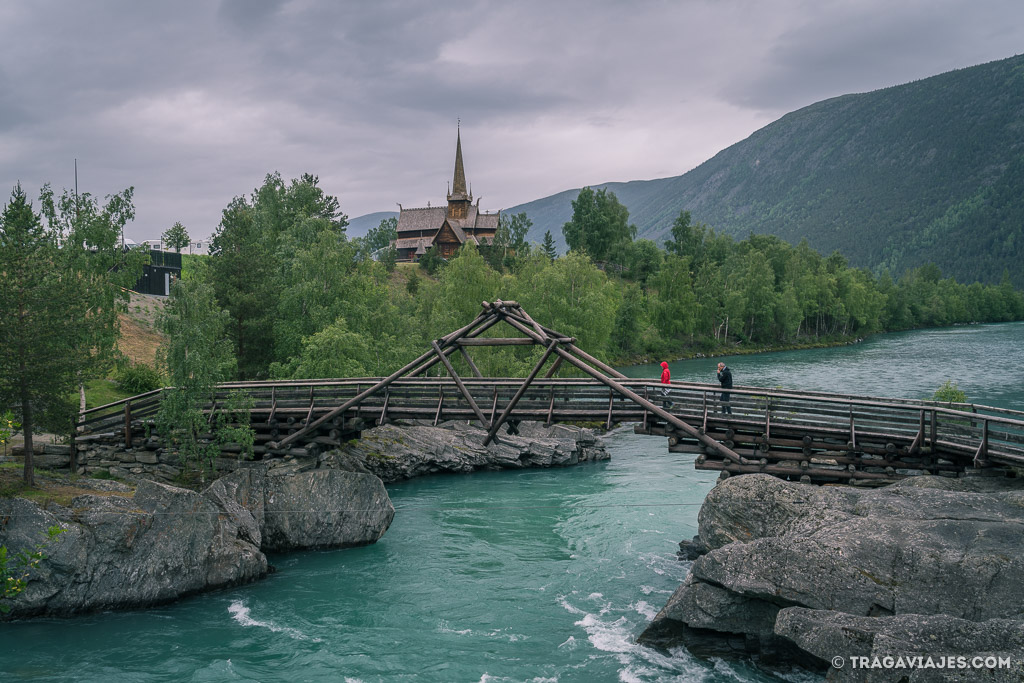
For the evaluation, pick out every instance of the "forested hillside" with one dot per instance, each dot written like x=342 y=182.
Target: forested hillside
x=301 y=299
x=930 y=171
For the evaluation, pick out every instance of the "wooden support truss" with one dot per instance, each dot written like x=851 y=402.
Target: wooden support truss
x=558 y=346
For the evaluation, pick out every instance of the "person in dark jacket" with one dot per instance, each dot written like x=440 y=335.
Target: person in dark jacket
x=725 y=378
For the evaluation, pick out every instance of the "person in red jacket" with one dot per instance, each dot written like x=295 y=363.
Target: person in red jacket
x=666 y=378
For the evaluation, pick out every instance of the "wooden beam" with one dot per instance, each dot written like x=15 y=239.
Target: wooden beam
x=384 y=410
x=495 y=341
x=494 y=406
x=384 y=383
x=469 y=361
x=449 y=348
x=981 y=456
x=554 y=368
x=571 y=347
x=660 y=412
x=519 y=394
x=853 y=431
x=915 y=446
x=458 y=382
x=127 y=425
x=440 y=400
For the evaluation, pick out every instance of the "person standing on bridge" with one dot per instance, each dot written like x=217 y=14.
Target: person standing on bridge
x=725 y=378
x=666 y=378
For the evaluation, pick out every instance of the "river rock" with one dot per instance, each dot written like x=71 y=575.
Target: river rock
x=124 y=549
x=325 y=508
x=116 y=551
x=925 y=546
x=827 y=634
x=395 y=452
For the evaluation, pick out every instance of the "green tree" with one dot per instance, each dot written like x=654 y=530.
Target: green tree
x=379 y=243
x=196 y=356
x=549 y=246
x=175 y=237
x=687 y=239
x=383 y=235
x=412 y=285
x=599 y=224
x=673 y=304
x=243 y=275
x=629 y=321
x=642 y=259
x=572 y=296
x=250 y=255
x=432 y=261
x=334 y=351
x=59 y=303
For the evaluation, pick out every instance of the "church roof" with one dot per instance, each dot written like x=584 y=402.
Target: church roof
x=432 y=218
x=429 y=218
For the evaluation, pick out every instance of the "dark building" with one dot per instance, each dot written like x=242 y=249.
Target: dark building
x=163 y=268
x=447 y=228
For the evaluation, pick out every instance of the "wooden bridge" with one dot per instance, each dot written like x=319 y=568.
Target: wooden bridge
x=808 y=436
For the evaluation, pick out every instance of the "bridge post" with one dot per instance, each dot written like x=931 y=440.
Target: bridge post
x=128 y=424
x=981 y=456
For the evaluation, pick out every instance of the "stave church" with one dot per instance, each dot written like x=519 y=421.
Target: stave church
x=445 y=227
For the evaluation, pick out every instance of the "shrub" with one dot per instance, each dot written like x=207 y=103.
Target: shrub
x=137 y=378
x=949 y=392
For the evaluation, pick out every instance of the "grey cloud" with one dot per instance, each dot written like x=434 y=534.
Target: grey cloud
x=867 y=46
x=194 y=102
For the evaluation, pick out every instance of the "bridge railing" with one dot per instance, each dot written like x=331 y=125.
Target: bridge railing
x=965 y=429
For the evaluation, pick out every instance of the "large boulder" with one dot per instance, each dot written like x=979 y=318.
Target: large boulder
x=121 y=551
x=325 y=508
x=122 y=548
x=924 y=546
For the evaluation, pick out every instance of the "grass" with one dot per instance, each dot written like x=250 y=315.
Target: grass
x=51 y=487
x=100 y=392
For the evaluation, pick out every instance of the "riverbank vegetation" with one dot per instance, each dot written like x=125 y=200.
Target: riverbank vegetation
x=305 y=301
x=299 y=299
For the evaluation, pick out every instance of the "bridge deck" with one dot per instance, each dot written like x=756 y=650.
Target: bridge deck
x=823 y=437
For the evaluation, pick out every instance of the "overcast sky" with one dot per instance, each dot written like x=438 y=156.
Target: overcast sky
x=193 y=103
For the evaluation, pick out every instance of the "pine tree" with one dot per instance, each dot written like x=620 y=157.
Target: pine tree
x=60 y=293
x=549 y=245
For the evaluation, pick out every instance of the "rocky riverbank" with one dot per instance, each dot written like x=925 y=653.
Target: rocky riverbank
x=398 y=452
x=147 y=542
x=795 y=573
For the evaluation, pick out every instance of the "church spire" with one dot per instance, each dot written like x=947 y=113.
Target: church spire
x=459 y=181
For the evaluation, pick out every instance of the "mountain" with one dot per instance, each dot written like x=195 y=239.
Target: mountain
x=360 y=225
x=932 y=170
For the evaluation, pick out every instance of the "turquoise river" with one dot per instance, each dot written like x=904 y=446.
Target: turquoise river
x=541 y=575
